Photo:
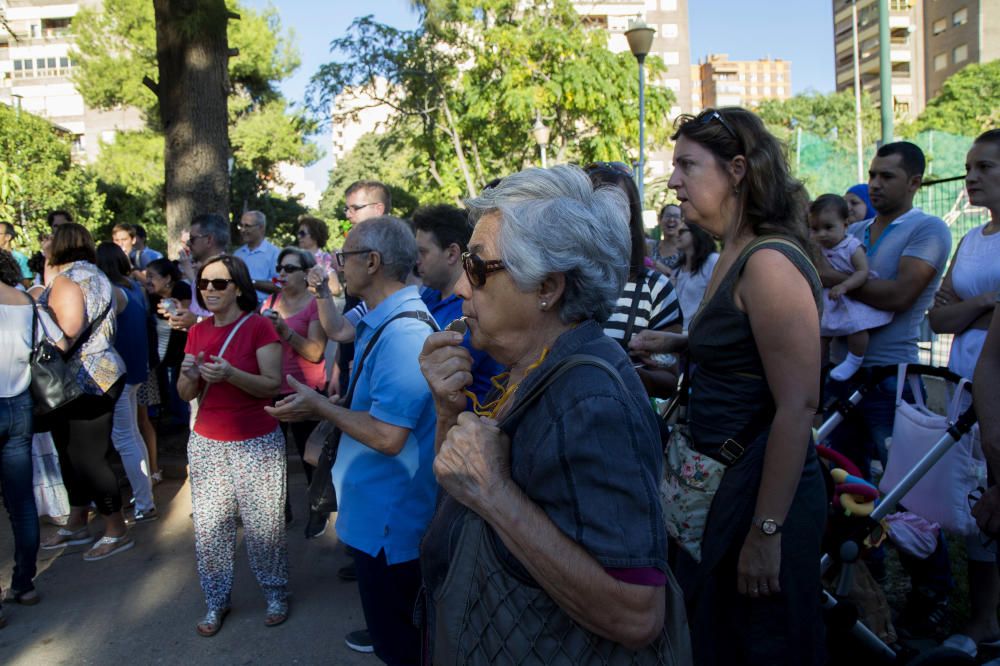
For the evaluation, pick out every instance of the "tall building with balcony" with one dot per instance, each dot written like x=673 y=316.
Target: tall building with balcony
x=958 y=33
x=36 y=66
x=906 y=51
x=671 y=43
x=745 y=83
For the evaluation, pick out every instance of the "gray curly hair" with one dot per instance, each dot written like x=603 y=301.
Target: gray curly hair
x=554 y=221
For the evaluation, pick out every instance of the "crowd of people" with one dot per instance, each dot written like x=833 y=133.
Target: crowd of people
x=479 y=382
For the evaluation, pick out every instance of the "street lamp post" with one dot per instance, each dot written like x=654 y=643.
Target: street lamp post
x=640 y=41
x=541 y=134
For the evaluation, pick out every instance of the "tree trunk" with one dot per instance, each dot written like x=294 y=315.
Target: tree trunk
x=192 y=53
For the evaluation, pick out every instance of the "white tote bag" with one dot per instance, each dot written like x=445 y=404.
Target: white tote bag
x=941 y=496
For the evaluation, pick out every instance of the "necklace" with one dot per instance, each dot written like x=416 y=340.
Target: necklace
x=495 y=407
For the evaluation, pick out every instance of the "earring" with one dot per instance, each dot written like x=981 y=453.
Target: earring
x=543 y=305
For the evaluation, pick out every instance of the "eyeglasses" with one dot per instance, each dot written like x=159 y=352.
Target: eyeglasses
x=288 y=268
x=218 y=284
x=356 y=207
x=193 y=237
x=342 y=256
x=614 y=167
x=303 y=233
x=478 y=269
x=247 y=227
x=715 y=115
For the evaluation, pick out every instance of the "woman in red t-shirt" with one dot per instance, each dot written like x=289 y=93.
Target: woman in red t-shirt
x=236 y=453
x=295 y=317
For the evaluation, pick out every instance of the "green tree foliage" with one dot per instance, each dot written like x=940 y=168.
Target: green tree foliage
x=116 y=50
x=467 y=84
x=968 y=104
x=38 y=175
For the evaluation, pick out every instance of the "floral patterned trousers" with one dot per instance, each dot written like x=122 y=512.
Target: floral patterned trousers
x=245 y=477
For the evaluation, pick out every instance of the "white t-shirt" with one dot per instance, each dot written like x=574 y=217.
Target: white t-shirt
x=15 y=346
x=691 y=287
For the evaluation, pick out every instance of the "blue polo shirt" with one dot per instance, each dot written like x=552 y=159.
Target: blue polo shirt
x=447 y=310
x=261 y=263
x=386 y=501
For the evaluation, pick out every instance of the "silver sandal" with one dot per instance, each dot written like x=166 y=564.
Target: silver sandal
x=76 y=537
x=123 y=541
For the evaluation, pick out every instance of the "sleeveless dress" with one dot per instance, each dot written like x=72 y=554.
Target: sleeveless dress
x=974 y=271
x=727 y=388
x=846 y=315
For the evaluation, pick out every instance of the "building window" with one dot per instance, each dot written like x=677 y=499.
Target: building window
x=780 y=91
x=781 y=77
x=767 y=90
x=671 y=58
x=64 y=63
x=753 y=90
x=940 y=61
x=960 y=17
x=960 y=54
x=35 y=31
x=940 y=26
x=668 y=5
x=669 y=30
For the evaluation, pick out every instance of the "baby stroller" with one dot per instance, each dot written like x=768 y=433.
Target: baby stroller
x=848 y=535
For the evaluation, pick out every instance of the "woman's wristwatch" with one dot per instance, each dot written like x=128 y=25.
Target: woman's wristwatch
x=767 y=526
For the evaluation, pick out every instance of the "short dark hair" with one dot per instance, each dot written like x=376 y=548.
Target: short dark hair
x=307 y=258
x=910 y=156
x=317 y=229
x=114 y=263
x=8 y=228
x=448 y=224
x=10 y=271
x=240 y=275
x=36 y=263
x=124 y=226
x=140 y=231
x=380 y=190
x=166 y=268
x=833 y=202
x=663 y=211
x=53 y=214
x=214 y=225
x=989 y=136
x=702 y=246
x=71 y=242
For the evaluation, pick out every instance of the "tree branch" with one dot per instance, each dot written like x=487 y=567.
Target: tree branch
x=151 y=84
x=457 y=142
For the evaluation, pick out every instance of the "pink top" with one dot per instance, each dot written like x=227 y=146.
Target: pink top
x=309 y=373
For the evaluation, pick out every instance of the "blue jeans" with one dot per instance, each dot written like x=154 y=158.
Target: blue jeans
x=18 y=486
x=861 y=436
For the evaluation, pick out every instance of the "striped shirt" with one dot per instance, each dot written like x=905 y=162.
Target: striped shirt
x=657 y=308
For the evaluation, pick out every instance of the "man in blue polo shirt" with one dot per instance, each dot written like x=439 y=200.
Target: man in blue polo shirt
x=383 y=473
x=443 y=233
x=260 y=255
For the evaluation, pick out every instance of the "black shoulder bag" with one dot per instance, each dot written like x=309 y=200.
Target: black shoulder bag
x=53 y=384
x=322 y=495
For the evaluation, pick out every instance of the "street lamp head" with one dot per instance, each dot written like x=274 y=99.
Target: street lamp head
x=640 y=38
x=540 y=132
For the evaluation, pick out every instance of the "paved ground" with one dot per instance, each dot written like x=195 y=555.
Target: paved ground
x=141 y=607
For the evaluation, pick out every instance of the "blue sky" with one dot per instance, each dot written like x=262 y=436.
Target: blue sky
x=798 y=31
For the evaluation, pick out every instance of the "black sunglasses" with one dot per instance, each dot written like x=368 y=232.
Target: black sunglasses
x=478 y=269
x=288 y=268
x=218 y=284
x=303 y=233
x=711 y=114
x=342 y=256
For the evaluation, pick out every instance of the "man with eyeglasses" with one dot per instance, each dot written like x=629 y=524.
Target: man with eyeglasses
x=259 y=254
x=208 y=237
x=383 y=471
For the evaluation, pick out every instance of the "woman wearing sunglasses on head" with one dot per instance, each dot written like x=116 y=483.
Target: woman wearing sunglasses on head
x=562 y=477
x=236 y=453
x=751 y=575
x=295 y=317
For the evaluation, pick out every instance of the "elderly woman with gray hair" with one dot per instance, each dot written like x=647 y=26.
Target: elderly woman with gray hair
x=549 y=546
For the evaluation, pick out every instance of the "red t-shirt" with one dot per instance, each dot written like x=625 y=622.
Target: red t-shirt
x=228 y=413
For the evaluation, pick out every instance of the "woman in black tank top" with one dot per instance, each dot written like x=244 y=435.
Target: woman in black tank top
x=755 y=350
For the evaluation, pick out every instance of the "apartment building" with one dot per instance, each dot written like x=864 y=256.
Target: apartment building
x=355 y=115
x=36 y=66
x=958 y=33
x=745 y=83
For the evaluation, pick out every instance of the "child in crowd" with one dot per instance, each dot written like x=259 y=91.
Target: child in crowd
x=843 y=315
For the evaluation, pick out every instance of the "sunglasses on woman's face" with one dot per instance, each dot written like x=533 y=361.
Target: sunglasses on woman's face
x=218 y=284
x=478 y=269
x=303 y=233
x=288 y=268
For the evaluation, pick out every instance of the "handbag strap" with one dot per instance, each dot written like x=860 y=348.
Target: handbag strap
x=222 y=349
x=630 y=323
x=82 y=338
x=409 y=314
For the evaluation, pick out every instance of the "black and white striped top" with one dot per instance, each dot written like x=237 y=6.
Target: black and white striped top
x=658 y=306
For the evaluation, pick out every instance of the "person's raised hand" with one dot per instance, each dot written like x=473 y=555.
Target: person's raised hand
x=447 y=367
x=305 y=404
